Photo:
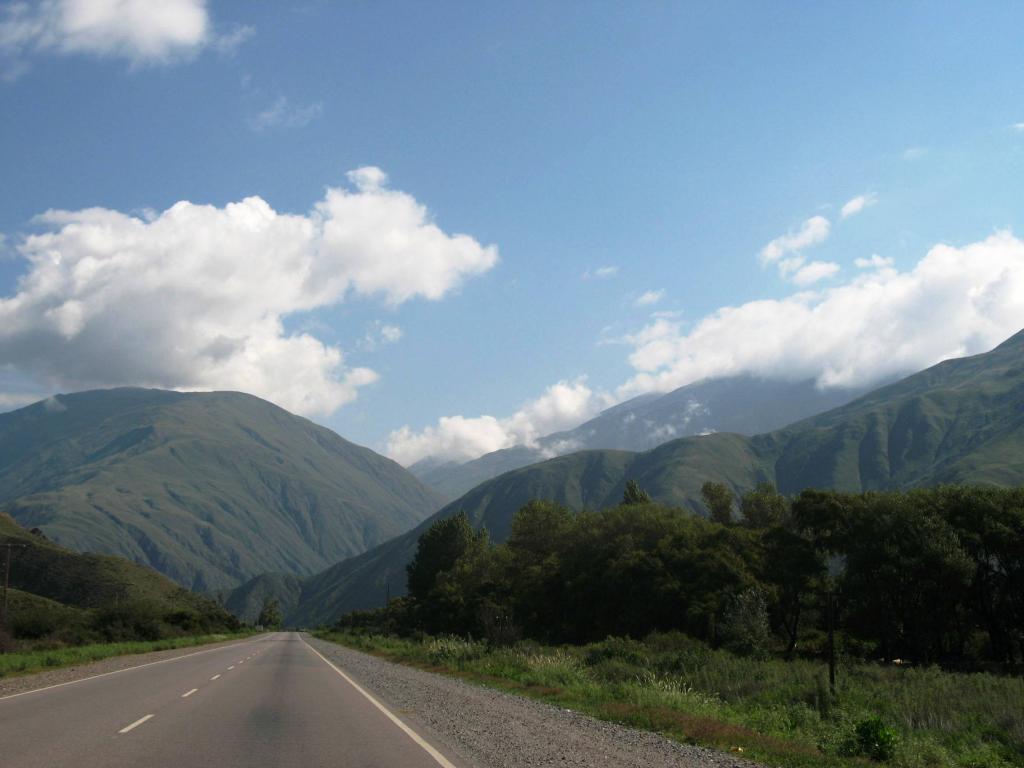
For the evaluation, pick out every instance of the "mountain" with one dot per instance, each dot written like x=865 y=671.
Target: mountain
x=961 y=421
x=743 y=404
x=210 y=489
x=44 y=574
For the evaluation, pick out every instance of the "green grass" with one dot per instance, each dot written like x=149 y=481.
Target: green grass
x=39 y=660
x=779 y=713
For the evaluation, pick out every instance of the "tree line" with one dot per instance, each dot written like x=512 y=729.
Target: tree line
x=927 y=576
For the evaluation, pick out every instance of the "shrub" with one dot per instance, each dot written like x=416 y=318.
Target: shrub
x=454 y=650
x=872 y=738
x=619 y=648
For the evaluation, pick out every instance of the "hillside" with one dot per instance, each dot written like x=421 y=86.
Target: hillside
x=957 y=422
x=210 y=489
x=48 y=575
x=742 y=404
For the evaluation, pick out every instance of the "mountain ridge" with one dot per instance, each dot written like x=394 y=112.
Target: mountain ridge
x=208 y=488
x=960 y=421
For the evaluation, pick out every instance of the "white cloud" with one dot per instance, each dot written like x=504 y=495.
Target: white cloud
x=390 y=333
x=283 y=114
x=857 y=204
x=815 y=272
x=1018 y=126
x=195 y=297
x=914 y=153
x=647 y=298
x=813 y=231
x=380 y=334
x=881 y=323
x=601 y=273
x=874 y=262
x=459 y=438
x=141 y=31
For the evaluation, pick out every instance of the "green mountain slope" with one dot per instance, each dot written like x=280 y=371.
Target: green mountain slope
x=45 y=573
x=208 y=488
x=957 y=422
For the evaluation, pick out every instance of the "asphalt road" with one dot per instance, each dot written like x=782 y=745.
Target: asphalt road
x=270 y=701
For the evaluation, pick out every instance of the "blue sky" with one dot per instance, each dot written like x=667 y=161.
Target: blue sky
x=668 y=143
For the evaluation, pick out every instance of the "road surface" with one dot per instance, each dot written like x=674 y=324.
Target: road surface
x=269 y=701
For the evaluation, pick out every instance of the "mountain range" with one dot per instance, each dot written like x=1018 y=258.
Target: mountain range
x=957 y=422
x=210 y=489
x=745 y=405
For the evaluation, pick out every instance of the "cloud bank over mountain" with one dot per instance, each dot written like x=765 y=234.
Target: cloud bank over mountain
x=879 y=324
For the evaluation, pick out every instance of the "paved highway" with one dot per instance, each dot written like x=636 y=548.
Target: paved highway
x=270 y=701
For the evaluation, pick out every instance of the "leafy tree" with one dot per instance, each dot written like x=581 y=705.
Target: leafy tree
x=763 y=507
x=718 y=499
x=744 y=629
x=438 y=549
x=634 y=494
x=270 y=615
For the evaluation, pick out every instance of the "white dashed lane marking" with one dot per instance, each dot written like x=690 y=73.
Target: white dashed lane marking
x=188 y=693
x=136 y=724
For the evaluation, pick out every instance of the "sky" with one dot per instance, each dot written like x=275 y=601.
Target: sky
x=443 y=229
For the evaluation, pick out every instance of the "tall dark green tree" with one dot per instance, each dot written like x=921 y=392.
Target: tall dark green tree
x=718 y=499
x=270 y=615
x=764 y=507
x=438 y=550
x=634 y=494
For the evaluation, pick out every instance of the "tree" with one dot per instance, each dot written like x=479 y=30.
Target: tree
x=270 y=615
x=437 y=551
x=764 y=507
x=634 y=494
x=718 y=499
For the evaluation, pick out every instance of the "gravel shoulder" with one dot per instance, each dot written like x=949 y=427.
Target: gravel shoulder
x=493 y=729
x=24 y=683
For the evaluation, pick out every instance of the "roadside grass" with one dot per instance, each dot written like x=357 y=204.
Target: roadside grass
x=43 y=659
x=780 y=713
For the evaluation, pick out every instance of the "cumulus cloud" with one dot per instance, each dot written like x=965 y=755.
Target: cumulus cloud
x=460 y=438
x=648 y=298
x=856 y=205
x=813 y=231
x=195 y=297
x=601 y=273
x=873 y=262
x=283 y=114
x=140 y=31
x=815 y=272
x=880 y=324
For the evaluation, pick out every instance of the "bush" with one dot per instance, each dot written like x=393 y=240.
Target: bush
x=454 y=650
x=677 y=652
x=872 y=738
x=618 y=648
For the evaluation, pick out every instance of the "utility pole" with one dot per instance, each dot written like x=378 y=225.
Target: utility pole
x=7 y=577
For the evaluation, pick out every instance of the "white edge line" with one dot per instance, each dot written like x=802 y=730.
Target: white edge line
x=136 y=724
x=438 y=757
x=115 y=672
x=189 y=693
